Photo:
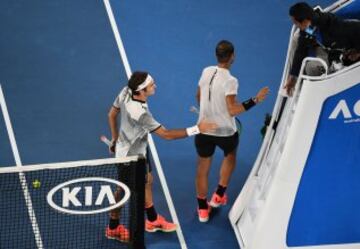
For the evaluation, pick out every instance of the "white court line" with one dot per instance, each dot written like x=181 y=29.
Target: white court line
x=150 y=139
x=22 y=177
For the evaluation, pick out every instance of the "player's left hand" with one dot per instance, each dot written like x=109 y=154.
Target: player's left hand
x=205 y=126
x=262 y=94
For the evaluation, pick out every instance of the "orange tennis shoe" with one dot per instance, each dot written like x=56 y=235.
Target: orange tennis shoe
x=204 y=214
x=217 y=200
x=120 y=233
x=160 y=224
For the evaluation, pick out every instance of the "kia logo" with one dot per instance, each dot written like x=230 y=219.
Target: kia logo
x=77 y=194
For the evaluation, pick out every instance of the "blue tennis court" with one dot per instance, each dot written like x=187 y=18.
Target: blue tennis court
x=61 y=69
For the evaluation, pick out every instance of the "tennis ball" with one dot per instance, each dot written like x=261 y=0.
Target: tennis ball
x=36 y=183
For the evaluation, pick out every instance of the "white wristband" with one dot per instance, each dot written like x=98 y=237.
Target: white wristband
x=192 y=130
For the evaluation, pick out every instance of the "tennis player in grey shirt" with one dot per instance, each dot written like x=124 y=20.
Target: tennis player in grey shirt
x=130 y=138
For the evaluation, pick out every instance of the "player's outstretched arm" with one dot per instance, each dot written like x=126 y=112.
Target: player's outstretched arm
x=233 y=106
x=236 y=108
x=202 y=127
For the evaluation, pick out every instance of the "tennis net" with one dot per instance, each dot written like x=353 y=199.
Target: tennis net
x=67 y=205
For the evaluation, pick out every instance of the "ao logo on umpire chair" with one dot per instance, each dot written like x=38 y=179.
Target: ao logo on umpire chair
x=347 y=113
x=87 y=196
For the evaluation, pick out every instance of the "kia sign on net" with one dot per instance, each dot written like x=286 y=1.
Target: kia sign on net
x=92 y=199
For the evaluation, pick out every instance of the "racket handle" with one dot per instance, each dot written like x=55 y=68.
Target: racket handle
x=194 y=109
x=238 y=125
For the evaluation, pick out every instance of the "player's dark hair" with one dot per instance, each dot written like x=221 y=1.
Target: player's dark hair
x=301 y=11
x=135 y=80
x=224 y=51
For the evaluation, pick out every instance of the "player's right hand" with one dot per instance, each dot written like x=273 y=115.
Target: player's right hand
x=112 y=146
x=205 y=126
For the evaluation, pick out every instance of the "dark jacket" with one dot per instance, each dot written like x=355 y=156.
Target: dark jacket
x=335 y=32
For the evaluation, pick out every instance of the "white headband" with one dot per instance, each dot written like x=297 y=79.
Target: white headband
x=146 y=82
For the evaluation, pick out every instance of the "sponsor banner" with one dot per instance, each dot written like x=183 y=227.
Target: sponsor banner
x=90 y=195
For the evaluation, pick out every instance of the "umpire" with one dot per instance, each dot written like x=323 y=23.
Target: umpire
x=324 y=30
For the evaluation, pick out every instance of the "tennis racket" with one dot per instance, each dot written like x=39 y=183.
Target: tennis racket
x=195 y=110
x=105 y=140
x=110 y=145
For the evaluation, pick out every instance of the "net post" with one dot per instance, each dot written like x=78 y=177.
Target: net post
x=139 y=203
